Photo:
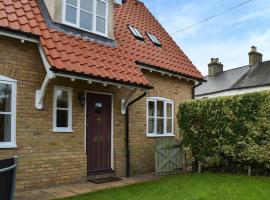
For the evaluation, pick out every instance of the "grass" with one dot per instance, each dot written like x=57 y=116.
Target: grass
x=190 y=187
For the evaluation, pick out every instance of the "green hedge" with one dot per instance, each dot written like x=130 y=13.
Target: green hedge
x=228 y=131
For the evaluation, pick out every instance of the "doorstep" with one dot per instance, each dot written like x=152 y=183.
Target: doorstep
x=82 y=188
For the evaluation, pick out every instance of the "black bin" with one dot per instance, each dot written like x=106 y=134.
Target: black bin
x=8 y=178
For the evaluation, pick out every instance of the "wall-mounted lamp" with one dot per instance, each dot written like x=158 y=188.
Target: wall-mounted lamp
x=81 y=99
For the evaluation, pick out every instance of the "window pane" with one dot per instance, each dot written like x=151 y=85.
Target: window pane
x=155 y=39
x=169 y=125
x=160 y=126
x=100 y=25
x=138 y=33
x=133 y=30
x=71 y=14
x=87 y=5
x=160 y=109
x=62 y=119
x=86 y=21
x=151 y=109
x=5 y=97
x=101 y=9
x=72 y=2
x=169 y=110
x=62 y=99
x=5 y=128
x=151 y=126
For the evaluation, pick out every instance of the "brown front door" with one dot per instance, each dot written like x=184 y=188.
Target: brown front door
x=98 y=132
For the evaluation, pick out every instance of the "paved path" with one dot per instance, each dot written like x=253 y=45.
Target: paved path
x=80 y=188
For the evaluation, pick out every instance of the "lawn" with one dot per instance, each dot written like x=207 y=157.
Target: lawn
x=190 y=187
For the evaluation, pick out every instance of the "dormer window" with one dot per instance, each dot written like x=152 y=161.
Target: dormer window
x=136 y=33
x=89 y=15
x=154 y=39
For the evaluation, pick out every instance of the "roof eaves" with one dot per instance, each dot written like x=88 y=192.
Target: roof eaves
x=65 y=73
x=231 y=89
x=19 y=35
x=160 y=69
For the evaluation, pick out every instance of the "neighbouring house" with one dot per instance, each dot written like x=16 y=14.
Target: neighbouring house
x=253 y=77
x=86 y=88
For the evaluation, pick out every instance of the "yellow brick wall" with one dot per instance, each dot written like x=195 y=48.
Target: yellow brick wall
x=47 y=158
x=142 y=147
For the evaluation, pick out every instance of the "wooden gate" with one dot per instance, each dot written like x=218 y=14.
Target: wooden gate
x=169 y=157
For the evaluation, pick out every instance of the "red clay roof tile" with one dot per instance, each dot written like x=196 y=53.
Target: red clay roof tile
x=170 y=56
x=74 y=54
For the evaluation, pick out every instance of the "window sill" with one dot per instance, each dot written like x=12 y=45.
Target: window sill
x=159 y=135
x=8 y=146
x=105 y=35
x=57 y=130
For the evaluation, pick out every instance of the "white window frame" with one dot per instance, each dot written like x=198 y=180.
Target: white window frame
x=136 y=33
x=13 y=83
x=77 y=25
x=70 y=95
x=165 y=101
x=154 y=39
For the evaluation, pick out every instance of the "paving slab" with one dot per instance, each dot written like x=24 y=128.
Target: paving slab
x=80 y=188
x=63 y=191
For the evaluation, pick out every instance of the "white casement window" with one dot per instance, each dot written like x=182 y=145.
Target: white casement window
x=89 y=15
x=62 y=109
x=160 y=114
x=8 y=89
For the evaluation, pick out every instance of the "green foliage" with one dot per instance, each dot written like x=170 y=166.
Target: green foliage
x=228 y=129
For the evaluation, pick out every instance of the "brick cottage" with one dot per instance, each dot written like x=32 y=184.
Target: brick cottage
x=86 y=87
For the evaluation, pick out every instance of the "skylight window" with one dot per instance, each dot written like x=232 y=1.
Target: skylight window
x=154 y=39
x=136 y=33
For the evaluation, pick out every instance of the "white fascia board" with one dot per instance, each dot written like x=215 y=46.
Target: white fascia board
x=90 y=80
x=163 y=72
x=18 y=36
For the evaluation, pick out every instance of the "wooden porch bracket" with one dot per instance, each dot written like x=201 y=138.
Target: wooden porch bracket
x=50 y=75
x=125 y=102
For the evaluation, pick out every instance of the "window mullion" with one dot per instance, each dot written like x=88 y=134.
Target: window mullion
x=78 y=13
x=165 y=118
x=107 y=16
x=94 y=15
x=172 y=116
x=70 y=110
x=155 y=121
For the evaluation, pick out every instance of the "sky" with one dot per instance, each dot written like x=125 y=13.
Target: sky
x=228 y=36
